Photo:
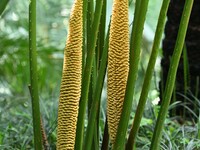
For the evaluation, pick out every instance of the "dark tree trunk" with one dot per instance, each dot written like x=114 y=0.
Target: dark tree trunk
x=193 y=52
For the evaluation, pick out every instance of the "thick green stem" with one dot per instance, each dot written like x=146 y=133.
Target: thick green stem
x=148 y=75
x=97 y=96
x=102 y=31
x=86 y=77
x=90 y=14
x=85 y=5
x=172 y=75
x=34 y=76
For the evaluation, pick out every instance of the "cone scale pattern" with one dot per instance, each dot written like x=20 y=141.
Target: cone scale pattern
x=118 y=65
x=71 y=81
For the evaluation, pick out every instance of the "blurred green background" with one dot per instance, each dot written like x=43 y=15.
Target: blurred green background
x=52 y=22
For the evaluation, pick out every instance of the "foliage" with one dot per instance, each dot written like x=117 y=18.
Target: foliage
x=16 y=127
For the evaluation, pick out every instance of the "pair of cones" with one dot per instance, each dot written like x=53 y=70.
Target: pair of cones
x=118 y=67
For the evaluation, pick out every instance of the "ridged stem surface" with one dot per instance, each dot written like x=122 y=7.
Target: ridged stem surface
x=34 y=76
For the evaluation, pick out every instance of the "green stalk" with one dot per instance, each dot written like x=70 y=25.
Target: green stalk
x=96 y=136
x=148 y=75
x=34 y=76
x=135 y=47
x=102 y=30
x=89 y=20
x=86 y=77
x=136 y=17
x=3 y=4
x=97 y=96
x=99 y=50
x=85 y=5
x=172 y=75
x=173 y=99
x=93 y=82
x=90 y=14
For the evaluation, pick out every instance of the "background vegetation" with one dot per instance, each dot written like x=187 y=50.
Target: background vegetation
x=16 y=131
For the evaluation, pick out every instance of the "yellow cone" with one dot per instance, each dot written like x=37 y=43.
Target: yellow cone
x=71 y=81
x=118 y=64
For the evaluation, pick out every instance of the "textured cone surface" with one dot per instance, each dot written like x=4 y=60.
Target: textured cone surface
x=118 y=65
x=71 y=81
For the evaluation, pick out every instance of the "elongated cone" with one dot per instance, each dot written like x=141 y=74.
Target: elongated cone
x=71 y=81
x=118 y=65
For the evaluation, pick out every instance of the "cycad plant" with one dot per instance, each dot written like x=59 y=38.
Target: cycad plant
x=71 y=81
x=89 y=48
x=118 y=64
